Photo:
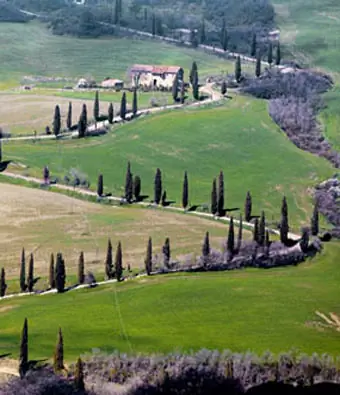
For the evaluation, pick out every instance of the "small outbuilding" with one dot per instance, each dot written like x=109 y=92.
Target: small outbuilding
x=112 y=83
x=85 y=83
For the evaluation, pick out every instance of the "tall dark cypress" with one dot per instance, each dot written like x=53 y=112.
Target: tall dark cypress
x=69 y=116
x=202 y=32
x=23 y=285
x=270 y=54
x=128 y=184
x=30 y=277
x=96 y=107
x=60 y=273
x=193 y=71
x=58 y=360
x=182 y=93
x=258 y=65
x=238 y=69
x=267 y=242
x=213 y=206
x=206 y=249
x=166 y=253
x=153 y=24
x=23 y=358
x=3 y=285
x=253 y=46
x=256 y=230
x=220 y=200
x=110 y=114
x=278 y=54
x=123 y=107
x=137 y=186
x=82 y=123
x=185 y=191
x=224 y=87
x=195 y=86
x=248 y=207
x=109 y=262
x=239 y=235
x=225 y=40
x=284 y=227
x=100 y=186
x=56 y=121
x=163 y=199
x=117 y=13
x=134 y=103
x=79 y=376
x=174 y=89
x=119 y=262
x=52 y=272
x=148 y=258
x=304 y=243
x=315 y=221
x=158 y=187
x=231 y=238
x=81 y=268
x=262 y=229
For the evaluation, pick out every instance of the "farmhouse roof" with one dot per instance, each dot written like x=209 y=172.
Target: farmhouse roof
x=158 y=69
x=111 y=81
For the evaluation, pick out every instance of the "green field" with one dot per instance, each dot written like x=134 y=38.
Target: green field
x=238 y=138
x=255 y=310
x=30 y=49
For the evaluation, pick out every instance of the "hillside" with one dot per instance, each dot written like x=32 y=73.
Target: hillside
x=238 y=138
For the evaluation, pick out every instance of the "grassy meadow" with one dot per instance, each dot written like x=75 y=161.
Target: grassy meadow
x=238 y=138
x=248 y=310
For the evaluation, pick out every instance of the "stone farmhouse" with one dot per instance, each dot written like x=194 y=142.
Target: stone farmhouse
x=155 y=77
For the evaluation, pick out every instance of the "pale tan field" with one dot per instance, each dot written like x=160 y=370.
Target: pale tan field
x=44 y=222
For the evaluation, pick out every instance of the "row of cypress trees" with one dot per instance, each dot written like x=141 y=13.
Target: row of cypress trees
x=58 y=358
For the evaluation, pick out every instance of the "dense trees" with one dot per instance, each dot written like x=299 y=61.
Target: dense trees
x=123 y=107
x=69 y=116
x=238 y=69
x=128 y=184
x=58 y=358
x=220 y=199
x=81 y=268
x=185 y=191
x=109 y=262
x=30 y=277
x=119 y=262
x=23 y=285
x=60 y=273
x=96 y=106
x=56 y=121
x=148 y=258
x=248 y=207
x=110 y=114
x=23 y=357
x=158 y=187
x=3 y=285
x=284 y=227
x=51 y=277
x=100 y=186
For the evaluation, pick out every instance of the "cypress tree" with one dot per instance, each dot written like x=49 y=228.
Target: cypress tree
x=239 y=236
x=253 y=46
x=225 y=40
x=166 y=252
x=23 y=285
x=58 y=363
x=206 y=249
x=284 y=227
x=258 y=65
x=96 y=107
x=195 y=90
x=108 y=262
x=158 y=186
x=193 y=38
x=175 y=89
x=220 y=201
x=222 y=32
x=256 y=230
x=81 y=268
x=163 y=200
x=262 y=229
x=3 y=285
x=231 y=238
x=137 y=185
x=224 y=88
x=193 y=77
x=267 y=242
x=52 y=272
x=69 y=116
x=278 y=54
x=148 y=258
x=182 y=93
x=248 y=207
x=202 y=32
x=119 y=262
x=128 y=184
x=110 y=114
x=23 y=358
x=79 y=376
x=30 y=277
x=213 y=207
x=134 y=103
x=315 y=221
x=82 y=123
x=159 y=26
x=56 y=121
x=193 y=71
x=304 y=243
x=60 y=274
x=238 y=69
x=153 y=26
x=185 y=192
x=270 y=54
x=100 y=186
x=123 y=107
x=117 y=13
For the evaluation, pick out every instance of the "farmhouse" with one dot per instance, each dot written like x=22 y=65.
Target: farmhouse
x=155 y=77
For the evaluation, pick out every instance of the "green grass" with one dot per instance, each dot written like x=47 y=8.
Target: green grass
x=30 y=49
x=238 y=138
x=255 y=310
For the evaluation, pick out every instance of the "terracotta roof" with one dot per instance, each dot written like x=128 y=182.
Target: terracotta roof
x=154 y=69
